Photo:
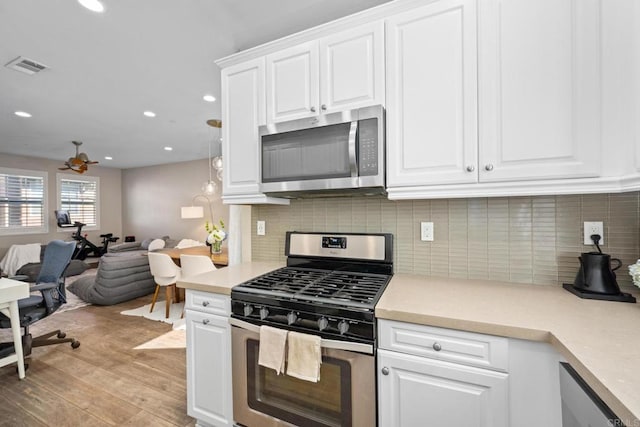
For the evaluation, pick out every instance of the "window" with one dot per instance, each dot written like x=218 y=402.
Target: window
x=23 y=201
x=80 y=196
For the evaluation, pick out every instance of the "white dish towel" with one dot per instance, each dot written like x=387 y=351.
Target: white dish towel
x=304 y=356
x=272 y=348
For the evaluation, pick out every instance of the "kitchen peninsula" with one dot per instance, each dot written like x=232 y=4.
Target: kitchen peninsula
x=600 y=339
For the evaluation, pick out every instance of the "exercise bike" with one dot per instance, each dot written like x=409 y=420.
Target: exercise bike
x=84 y=247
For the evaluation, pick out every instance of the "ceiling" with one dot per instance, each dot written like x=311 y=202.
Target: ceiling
x=106 y=69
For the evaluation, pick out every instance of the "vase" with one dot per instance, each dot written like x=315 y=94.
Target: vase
x=216 y=247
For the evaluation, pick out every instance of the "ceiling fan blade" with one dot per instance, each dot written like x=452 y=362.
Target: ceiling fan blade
x=89 y=162
x=64 y=169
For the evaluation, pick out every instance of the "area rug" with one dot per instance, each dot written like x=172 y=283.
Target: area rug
x=176 y=338
x=158 y=313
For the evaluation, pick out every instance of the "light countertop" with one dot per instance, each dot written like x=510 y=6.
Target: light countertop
x=600 y=339
x=221 y=281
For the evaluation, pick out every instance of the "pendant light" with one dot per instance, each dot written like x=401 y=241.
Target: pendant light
x=209 y=187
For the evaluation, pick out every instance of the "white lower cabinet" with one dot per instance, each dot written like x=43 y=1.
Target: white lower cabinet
x=209 y=390
x=430 y=376
x=418 y=391
x=440 y=377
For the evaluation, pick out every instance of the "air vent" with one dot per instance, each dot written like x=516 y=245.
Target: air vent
x=26 y=65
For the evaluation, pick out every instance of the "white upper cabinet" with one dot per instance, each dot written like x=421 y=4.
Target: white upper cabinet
x=292 y=83
x=352 y=68
x=431 y=95
x=334 y=73
x=243 y=110
x=539 y=89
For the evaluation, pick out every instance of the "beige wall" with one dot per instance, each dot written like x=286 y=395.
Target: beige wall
x=517 y=239
x=152 y=197
x=110 y=201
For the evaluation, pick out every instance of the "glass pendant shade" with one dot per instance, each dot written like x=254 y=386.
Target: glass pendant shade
x=209 y=187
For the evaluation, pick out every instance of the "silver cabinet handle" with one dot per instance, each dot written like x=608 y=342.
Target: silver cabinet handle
x=385 y=371
x=471 y=168
x=205 y=321
x=205 y=303
x=488 y=167
x=313 y=109
x=437 y=346
x=324 y=107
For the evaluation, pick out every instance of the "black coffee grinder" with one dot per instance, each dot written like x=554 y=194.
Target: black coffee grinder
x=596 y=279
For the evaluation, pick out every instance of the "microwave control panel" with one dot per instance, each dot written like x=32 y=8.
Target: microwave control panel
x=368 y=147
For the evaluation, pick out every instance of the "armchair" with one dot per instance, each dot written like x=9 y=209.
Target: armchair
x=50 y=284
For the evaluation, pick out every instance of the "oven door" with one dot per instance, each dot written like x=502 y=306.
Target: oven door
x=344 y=396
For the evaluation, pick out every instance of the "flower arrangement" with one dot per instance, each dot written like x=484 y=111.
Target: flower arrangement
x=634 y=271
x=215 y=236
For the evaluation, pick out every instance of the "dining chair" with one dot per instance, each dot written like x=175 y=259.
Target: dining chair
x=193 y=265
x=165 y=273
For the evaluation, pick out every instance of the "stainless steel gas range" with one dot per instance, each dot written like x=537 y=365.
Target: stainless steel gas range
x=329 y=288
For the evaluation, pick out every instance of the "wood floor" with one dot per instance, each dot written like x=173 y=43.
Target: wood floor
x=104 y=381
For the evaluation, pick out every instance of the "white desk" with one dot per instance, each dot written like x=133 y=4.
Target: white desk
x=10 y=292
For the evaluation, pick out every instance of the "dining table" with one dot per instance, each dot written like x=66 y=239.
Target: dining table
x=10 y=292
x=219 y=259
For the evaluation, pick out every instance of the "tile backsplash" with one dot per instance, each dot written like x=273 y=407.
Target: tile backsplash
x=517 y=239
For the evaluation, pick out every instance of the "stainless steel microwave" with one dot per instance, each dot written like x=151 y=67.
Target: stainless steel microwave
x=319 y=155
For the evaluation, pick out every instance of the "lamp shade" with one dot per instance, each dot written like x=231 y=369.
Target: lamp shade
x=188 y=212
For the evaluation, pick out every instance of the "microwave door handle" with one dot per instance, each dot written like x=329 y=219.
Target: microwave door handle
x=353 y=161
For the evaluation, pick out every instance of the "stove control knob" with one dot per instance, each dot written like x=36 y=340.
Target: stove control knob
x=343 y=327
x=323 y=323
x=264 y=312
x=291 y=318
x=248 y=309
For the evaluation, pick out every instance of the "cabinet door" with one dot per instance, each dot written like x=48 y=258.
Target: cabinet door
x=417 y=391
x=352 y=68
x=243 y=110
x=209 y=392
x=431 y=95
x=539 y=89
x=292 y=83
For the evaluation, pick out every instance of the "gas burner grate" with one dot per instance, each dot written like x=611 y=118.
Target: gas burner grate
x=324 y=286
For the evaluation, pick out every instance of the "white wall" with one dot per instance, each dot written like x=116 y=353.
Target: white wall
x=110 y=201
x=152 y=197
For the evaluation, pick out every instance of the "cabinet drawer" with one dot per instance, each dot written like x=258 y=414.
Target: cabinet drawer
x=206 y=302
x=467 y=348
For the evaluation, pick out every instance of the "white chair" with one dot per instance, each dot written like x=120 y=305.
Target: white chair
x=195 y=264
x=165 y=273
x=156 y=244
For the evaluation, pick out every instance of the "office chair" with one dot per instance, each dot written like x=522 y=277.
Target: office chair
x=165 y=273
x=50 y=283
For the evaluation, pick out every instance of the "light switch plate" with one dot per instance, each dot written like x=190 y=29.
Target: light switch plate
x=594 y=227
x=260 y=228
x=426 y=231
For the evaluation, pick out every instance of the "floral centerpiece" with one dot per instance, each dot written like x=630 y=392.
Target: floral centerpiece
x=215 y=236
x=634 y=271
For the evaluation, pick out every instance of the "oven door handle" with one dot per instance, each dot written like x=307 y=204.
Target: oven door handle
x=334 y=344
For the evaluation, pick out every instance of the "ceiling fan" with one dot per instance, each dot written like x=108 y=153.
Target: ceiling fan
x=78 y=163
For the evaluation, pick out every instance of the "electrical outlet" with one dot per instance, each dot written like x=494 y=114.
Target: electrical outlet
x=594 y=227
x=426 y=231
x=260 y=228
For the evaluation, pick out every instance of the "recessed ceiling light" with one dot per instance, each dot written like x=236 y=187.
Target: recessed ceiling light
x=149 y=114
x=92 y=5
x=108 y=158
x=168 y=148
x=209 y=98
x=22 y=114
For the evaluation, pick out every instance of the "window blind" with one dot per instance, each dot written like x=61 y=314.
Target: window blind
x=80 y=198
x=21 y=202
